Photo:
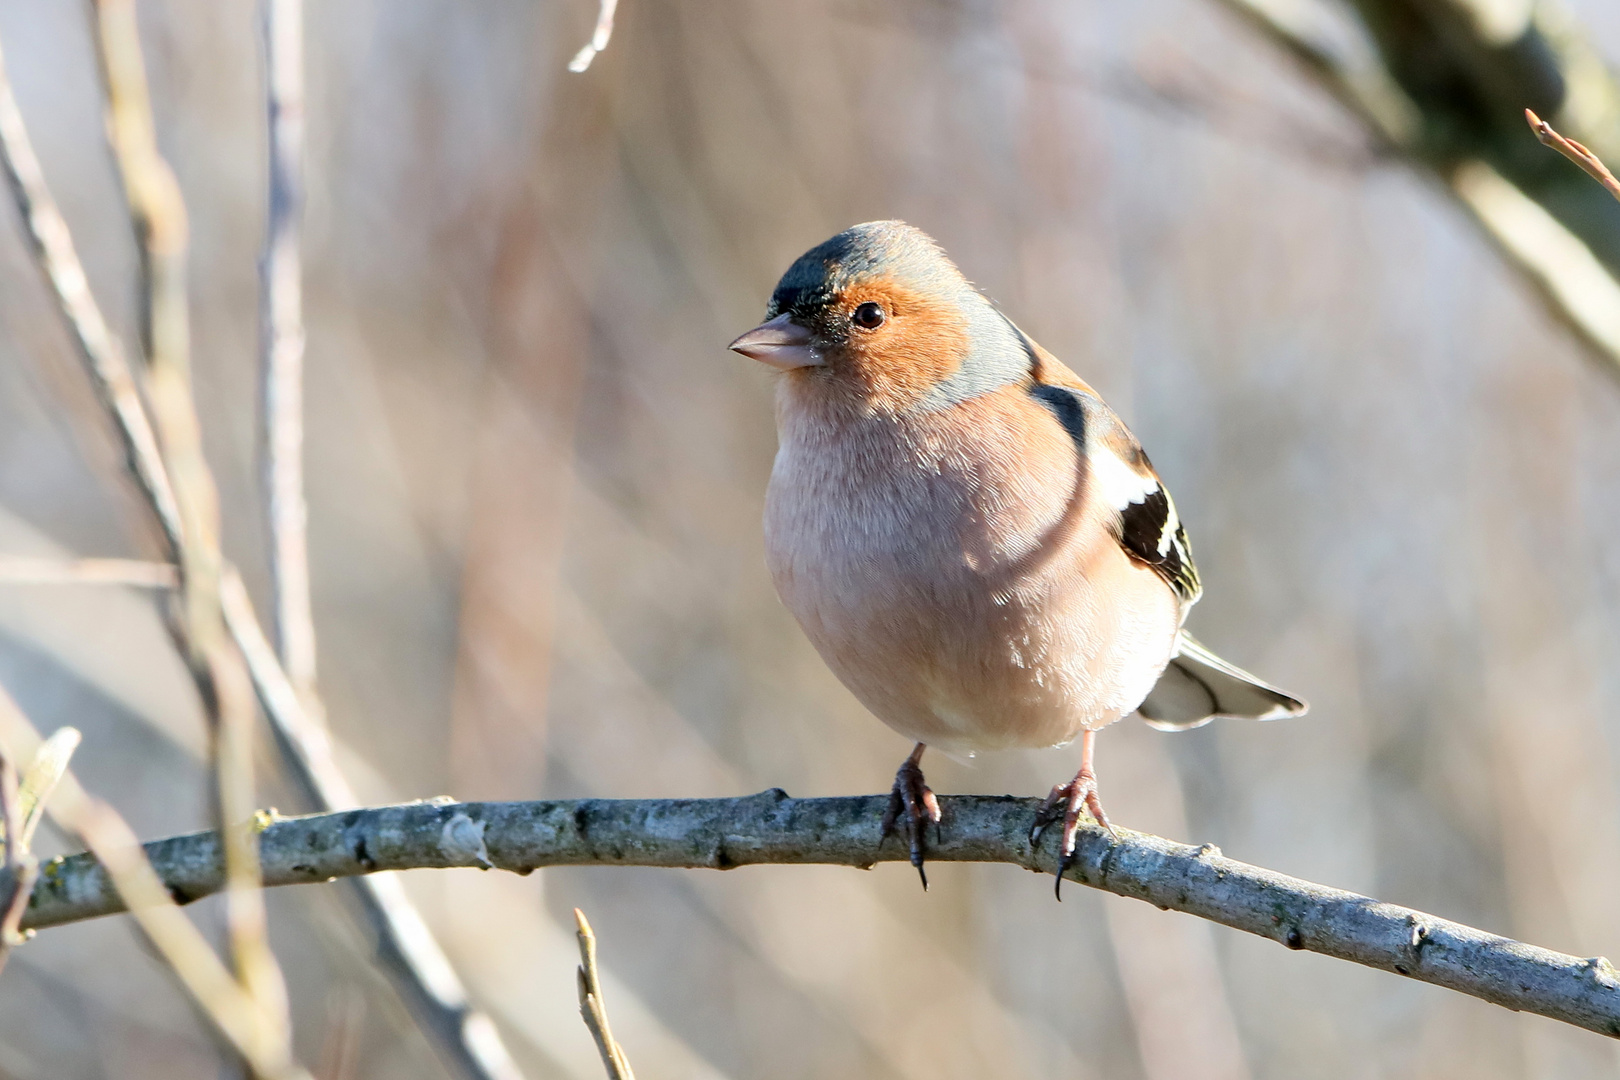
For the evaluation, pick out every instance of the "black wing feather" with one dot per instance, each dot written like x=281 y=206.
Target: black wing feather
x=1149 y=528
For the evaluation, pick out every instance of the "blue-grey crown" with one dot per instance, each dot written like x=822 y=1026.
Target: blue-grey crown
x=890 y=249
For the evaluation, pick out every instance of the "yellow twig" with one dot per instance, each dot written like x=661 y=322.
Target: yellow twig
x=413 y=959
x=599 y=37
x=159 y=216
x=43 y=774
x=103 y=356
x=115 y=846
x=138 y=573
x=21 y=805
x=1573 y=150
x=591 y=1006
x=21 y=866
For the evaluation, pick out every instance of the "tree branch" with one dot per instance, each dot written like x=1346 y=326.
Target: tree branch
x=599 y=38
x=158 y=214
x=1444 y=85
x=466 y=1038
x=591 y=1006
x=281 y=346
x=125 y=870
x=1589 y=162
x=20 y=862
x=771 y=827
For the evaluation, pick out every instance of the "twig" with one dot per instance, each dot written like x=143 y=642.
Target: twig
x=123 y=869
x=599 y=38
x=770 y=827
x=236 y=1016
x=158 y=214
x=1573 y=150
x=22 y=804
x=21 y=866
x=101 y=352
x=1569 y=259
x=281 y=355
x=45 y=771
x=592 y=1007
x=138 y=573
x=466 y=1038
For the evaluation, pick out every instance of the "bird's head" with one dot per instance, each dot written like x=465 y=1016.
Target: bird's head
x=880 y=313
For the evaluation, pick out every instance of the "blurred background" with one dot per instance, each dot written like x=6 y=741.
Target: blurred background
x=536 y=480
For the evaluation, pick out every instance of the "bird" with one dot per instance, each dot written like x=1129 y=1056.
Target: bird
x=973 y=541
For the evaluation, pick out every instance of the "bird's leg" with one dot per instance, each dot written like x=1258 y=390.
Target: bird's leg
x=912 y=797
x=1064 y=803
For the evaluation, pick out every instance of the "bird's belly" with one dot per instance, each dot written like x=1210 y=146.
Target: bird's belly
x=958 y=651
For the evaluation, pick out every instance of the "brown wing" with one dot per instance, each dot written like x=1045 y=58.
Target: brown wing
x=1149 y=528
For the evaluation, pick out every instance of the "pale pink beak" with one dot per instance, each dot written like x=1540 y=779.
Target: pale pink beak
x=781 y=343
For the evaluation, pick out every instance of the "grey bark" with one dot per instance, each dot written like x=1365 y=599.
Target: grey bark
x=771 y=827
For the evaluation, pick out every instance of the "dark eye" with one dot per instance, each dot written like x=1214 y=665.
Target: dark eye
x=868 y=316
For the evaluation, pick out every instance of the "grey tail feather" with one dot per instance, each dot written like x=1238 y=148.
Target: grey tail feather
x=1198 y=686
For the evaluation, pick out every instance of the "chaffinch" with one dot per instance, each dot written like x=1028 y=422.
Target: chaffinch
x=973 y=541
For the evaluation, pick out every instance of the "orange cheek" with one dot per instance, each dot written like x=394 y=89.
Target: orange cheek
x=923 y=343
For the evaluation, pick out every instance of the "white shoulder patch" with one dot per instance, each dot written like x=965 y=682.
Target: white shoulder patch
x=1115 y=482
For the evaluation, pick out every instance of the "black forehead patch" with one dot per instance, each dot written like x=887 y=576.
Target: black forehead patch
x=877 y=249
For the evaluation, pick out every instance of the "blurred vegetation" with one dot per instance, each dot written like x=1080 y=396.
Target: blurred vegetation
x=535 y=487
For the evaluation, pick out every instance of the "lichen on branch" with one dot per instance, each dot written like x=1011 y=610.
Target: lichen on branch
x=771 y=827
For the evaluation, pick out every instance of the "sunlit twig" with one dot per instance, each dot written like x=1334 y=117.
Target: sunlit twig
x=281 y=357
x=119 y=855
x=158 y=214
x=44 y=772
x=1573 y=150
x=599 y=37
x=137 y=573
x=591 y=1006
x=21 y=866
x=103 y=355
x=466 y=1038
x=22 y=804
x=1560 y=263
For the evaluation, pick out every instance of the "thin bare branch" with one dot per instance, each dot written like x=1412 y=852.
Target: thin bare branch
x=591 y=1006
x=21 y=867
x=101 y=352
x=45 y=771
x=102 y=830
x=1573 y=150
x=137 y=573
x=771 y=827
x=124 y=870
x=22 y=804
x=1566 y=253
x=599 y=37
x=158 y=214
x=281 y=358
x=465 y=1038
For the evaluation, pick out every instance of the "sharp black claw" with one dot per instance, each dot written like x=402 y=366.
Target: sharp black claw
x=1065 y=804
x=911 y=801
x=1064 y=862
